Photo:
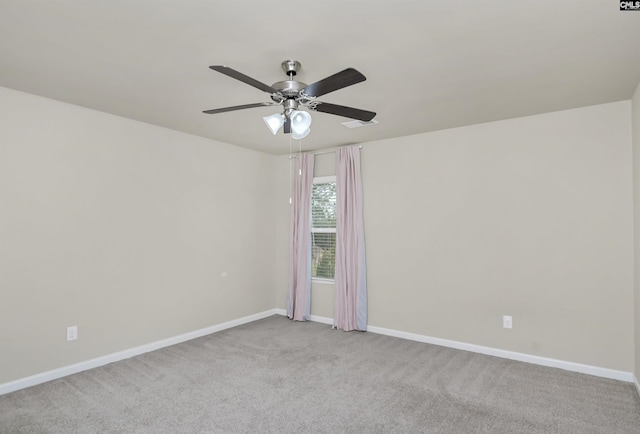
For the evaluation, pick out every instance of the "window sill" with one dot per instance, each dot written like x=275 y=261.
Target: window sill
x=323 y=281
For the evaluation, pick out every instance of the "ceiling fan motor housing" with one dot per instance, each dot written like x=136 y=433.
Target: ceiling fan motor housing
x=288 y=88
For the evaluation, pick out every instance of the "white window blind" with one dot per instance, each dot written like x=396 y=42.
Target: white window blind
x=323 y=227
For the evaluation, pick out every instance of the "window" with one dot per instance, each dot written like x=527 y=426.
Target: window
x=323 y=228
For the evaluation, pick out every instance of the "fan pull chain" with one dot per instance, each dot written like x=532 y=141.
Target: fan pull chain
x=290 y=202
x=300 y=154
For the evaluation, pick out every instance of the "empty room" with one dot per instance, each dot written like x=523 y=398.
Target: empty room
x=359 y=216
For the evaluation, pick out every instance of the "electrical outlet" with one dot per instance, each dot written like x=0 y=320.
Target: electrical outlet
x=507 y=321
x=72 y=333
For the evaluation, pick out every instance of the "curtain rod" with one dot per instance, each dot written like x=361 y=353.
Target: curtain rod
x=319 y=152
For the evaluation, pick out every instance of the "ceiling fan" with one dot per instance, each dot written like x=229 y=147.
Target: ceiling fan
x=293 y=95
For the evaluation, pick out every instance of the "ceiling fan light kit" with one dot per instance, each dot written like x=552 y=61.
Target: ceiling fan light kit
x=300 y=121
x=274 y=122
x=301 y=135
x=293 y=95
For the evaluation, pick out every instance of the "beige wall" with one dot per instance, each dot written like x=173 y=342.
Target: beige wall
x=529 y=217
x=635 y=130
x=123 y=229
x=281 y=246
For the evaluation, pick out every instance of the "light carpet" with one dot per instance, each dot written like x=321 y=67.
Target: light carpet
x=275 y=375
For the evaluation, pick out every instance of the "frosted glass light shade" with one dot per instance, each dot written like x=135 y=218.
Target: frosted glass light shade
x=274 y=122
x=300 y=122
x=297 y=136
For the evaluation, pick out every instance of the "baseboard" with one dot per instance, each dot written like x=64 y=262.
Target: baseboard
x=313 y=318
x=322 y=319
x=628 y=377
x=282 y=312
x=54 y=374
x=512 y=355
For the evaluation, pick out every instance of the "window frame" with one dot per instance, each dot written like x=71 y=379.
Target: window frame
x=331 y=179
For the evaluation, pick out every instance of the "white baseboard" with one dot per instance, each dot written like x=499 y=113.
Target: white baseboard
x=54 y=374
x=314 y=318
x=322 y=319
x=628 y=377
x=512 y=355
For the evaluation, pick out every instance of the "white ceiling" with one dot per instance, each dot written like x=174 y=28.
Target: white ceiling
x=430 y=64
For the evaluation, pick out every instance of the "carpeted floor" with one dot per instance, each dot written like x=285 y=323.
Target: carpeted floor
x=275 y=375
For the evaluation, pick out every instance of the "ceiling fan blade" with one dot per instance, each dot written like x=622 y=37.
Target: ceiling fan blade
x=243 y=78
x=337 y=81
x=340 y=110
x=237 y=107
x=287 y=126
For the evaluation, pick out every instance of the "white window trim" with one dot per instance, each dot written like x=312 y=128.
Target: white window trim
x=324 y=230
x=323 y=280
x=323 y=180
